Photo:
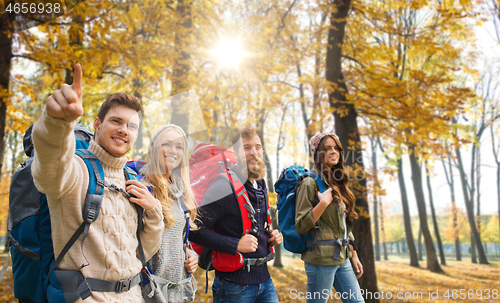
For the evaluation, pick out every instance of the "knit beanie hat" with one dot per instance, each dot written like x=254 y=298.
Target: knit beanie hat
x=316 y=140
x=159 y=130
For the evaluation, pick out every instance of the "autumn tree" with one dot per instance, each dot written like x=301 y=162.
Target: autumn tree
x=398 y=162
x=400 y=79
x=376 y=186
x=483 y=114
x=346 y=127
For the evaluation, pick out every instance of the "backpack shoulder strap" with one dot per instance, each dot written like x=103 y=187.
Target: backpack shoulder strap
x=246 y=209
x=186 y=216
x=95 y=190
x=130 y=174
x=92 y=205
x=321 y=184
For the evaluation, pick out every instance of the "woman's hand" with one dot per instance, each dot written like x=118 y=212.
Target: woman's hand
x=143 y=197
x=326 y=197
x=356 y=264
x=191 y=264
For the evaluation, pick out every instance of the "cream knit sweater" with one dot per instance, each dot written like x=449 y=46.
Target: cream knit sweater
x=111 y=244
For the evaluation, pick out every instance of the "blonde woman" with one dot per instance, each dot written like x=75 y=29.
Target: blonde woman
x=168 y=177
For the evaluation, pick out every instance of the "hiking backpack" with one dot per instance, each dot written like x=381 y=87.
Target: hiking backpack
x=207 y=164
x=286 y=188
x=36 y=277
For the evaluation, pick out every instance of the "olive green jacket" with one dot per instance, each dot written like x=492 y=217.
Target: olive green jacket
x=329 y=225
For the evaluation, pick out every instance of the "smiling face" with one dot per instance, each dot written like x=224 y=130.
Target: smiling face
x=172 y=149
x=332 y=152
x=118 y=131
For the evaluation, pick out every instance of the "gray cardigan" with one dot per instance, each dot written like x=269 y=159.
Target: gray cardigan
x=168 y=262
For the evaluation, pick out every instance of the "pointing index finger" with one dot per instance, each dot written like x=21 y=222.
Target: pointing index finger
x=77 y=80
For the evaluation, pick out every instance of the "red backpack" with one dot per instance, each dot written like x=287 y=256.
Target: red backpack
x=207 y=163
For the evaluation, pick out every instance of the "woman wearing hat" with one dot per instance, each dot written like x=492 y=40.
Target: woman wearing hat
x=328 y=218
x=168 y=176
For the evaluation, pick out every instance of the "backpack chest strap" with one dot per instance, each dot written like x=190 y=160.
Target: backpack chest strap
x=75 y=286
x=258 y=261
x=337 y=243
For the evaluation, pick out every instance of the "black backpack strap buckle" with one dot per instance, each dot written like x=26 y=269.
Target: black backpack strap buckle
x=123 y=286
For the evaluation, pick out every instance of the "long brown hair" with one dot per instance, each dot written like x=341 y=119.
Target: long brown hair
x=337 y=177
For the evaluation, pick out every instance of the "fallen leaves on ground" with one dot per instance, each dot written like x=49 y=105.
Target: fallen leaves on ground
x=418 y=284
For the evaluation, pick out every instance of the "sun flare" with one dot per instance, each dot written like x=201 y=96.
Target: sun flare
x=229 y=53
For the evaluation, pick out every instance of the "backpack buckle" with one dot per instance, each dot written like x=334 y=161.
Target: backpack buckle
x=123 y=286
x=91 y=215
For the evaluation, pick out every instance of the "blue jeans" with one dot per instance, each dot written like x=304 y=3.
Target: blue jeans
x=229 y=292
x=320 y=279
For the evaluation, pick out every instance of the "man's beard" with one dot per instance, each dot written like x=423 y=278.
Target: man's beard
x=256 y=171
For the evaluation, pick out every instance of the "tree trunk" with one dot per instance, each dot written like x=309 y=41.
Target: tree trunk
x=416 y=177
x=406 y=217
x=346 y=128
x=383 y=231
x=269 y=171
x=495 y=154
x=139 y=143
x=498 y=193
x=281 y=143
x=434 y=220
x=277 y=249
x=5 y=62
x=472 y=190
x=473 y=257
x=478 y=193
x=377 y=237
x=182 y=63
x=470 y=210
x=75 y=34
x=14 y=148
x=420 y=253
x=307 y=121
x=267 y=161
x=375 y=198
x=454 y=210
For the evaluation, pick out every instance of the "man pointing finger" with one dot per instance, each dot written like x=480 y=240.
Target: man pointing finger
x=111 y=243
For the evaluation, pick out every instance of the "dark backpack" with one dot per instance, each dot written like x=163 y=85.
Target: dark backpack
x=34 y=268
x=286 y=188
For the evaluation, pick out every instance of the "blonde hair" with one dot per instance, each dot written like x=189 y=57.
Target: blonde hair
x=161 y=186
